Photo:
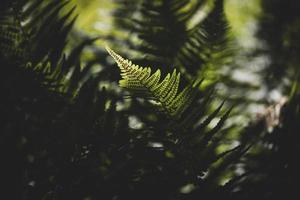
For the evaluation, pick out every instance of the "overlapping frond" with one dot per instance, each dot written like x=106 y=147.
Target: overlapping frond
x=11 y=36
x=33 y=35
x=140 y=81
x=171 y=34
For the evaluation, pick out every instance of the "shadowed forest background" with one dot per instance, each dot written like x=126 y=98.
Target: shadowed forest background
x=218 y=116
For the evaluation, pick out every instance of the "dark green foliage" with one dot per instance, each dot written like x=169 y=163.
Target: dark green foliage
x=70 y=133
x=173 y=37
x=66 y=139
x=271 y=168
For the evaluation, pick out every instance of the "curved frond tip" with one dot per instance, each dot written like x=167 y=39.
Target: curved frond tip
x=142 y=83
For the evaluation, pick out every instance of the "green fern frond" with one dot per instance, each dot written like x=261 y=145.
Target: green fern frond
x=140 y=81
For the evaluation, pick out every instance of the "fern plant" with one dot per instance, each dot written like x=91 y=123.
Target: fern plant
x=100 y=156
x=141 y=82
x=170 y=33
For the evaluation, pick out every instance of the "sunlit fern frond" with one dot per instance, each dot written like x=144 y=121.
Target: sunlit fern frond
x=141 y=82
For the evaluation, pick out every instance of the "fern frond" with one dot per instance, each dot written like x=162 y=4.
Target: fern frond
x=140 y=81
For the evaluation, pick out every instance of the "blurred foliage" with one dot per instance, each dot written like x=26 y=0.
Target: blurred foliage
x=94 y=16
x=242 y=16
x=68 y=131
